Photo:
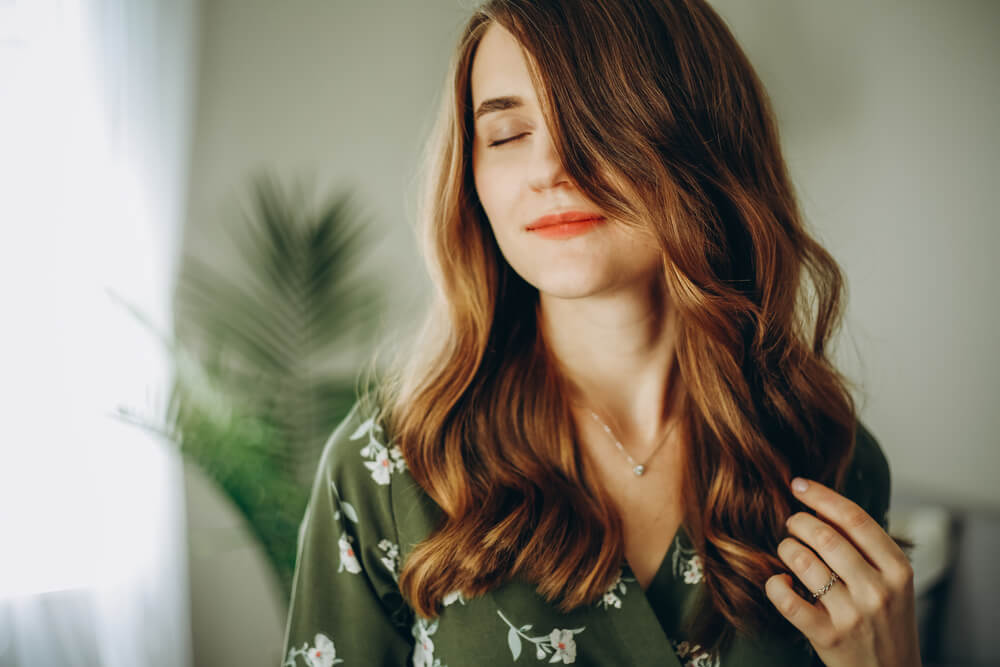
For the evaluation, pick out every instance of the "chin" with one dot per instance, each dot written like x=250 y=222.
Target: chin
x=564 y=277
x=568 y=286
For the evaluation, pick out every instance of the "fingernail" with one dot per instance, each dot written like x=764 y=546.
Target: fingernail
x=799 y=485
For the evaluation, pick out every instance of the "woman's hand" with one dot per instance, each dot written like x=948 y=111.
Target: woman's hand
x=868 y=616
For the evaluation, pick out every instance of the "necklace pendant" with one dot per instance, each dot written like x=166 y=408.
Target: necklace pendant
x=639 y=469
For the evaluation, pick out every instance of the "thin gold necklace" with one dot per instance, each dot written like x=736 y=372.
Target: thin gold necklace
x=637 y=468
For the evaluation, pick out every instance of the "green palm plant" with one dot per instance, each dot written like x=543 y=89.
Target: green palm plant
x=255 y=393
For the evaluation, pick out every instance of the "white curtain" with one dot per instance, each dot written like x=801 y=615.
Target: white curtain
x=96 y=110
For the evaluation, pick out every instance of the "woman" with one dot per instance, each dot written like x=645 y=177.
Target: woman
x=587 y=456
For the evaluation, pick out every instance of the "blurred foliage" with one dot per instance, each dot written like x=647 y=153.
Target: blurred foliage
x=254 y=397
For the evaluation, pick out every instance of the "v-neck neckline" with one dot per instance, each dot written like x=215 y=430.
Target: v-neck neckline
x=666 y=563
x=640 y=632
x=650 y=626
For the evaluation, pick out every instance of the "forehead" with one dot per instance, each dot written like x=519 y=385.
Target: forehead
x=499 y=67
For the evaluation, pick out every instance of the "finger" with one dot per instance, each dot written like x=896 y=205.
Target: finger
x=815 y=575
x=864 y=584
x=811 y=620
x=852 y=520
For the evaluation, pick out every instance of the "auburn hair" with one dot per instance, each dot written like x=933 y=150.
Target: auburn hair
x=661 y=121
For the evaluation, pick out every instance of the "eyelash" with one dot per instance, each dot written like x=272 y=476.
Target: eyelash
x=508 y=140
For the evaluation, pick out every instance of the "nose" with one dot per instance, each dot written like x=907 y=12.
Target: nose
x=547 y=169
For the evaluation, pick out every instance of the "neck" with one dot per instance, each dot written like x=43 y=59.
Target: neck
x=617 y=353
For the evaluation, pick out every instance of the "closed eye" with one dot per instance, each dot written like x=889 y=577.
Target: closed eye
x=501 y=142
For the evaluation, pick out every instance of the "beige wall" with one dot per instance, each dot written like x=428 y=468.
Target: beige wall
x=338 y=93
x=888 y=118
x=888 y=114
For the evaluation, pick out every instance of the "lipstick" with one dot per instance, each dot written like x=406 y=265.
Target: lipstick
x=565 y=224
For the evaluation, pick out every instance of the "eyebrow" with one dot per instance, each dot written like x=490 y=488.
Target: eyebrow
x=498 y=104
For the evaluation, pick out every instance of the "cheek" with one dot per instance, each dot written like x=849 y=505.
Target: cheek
x=634 y=256
x=495 y=194
x=482 y=180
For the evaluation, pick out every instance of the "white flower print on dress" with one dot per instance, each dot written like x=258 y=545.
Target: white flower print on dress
x=610 y=597
x=454 y=596
x=565 y=647
x=559 y=642
x=423 y=648
x=687 y=563
x=348 y=559
x=321 y=654
x=692 y=571
x=422 y=629
x=383 y=460
x=692 y=655
x=391 y=557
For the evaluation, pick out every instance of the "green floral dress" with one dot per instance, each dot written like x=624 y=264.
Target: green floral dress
x=365 y=515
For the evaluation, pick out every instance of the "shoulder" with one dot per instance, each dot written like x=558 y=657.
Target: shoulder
x=868 y=480
x=359 y=463
x=359 y=450
x=345 y=586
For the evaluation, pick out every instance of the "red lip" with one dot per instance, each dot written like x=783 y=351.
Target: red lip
x=563 y=217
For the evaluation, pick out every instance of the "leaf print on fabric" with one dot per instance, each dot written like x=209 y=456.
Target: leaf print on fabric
x=559 y=642
x=348 y=559
x=686 y=563
x=610 y=598
x=692 y=655
x=321 y=654
x=346 y=507
x=383 y=460
x=423 y=648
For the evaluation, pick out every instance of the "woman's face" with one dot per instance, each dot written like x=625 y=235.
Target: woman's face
x=519 y=178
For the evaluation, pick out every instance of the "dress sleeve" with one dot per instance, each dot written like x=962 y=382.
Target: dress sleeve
x=345 y=607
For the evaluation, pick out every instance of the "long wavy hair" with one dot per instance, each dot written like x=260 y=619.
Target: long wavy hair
x=662 y=122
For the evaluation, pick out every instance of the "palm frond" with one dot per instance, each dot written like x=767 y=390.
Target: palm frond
x=253 y=398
